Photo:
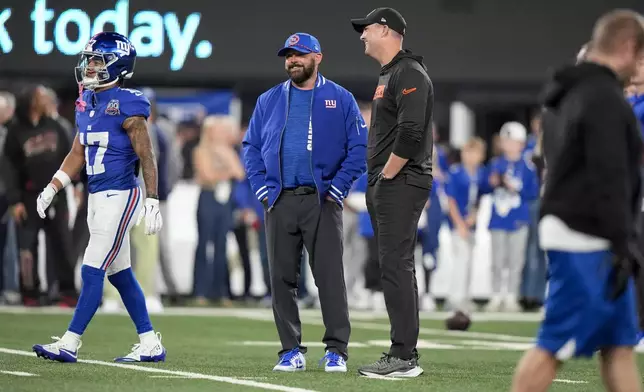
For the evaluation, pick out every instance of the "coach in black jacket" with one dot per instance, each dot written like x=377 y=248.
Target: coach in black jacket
x=399 y=163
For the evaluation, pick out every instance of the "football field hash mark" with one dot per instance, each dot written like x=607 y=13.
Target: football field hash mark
x=570 y=381
x=21 y=374
x=228 y=380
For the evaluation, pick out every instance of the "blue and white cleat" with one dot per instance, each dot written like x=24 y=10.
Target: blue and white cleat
x=151 y=352
x=334 y=363
x=291 y=361
x=57 y=351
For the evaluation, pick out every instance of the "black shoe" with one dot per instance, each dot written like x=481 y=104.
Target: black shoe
x=389 y=366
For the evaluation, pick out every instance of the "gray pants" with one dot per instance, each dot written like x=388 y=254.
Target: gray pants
x=301 y=220
x=508 y=253
x=459 y=293
x=355 y=251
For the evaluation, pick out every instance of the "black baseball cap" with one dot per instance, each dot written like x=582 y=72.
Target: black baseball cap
x=384 y=16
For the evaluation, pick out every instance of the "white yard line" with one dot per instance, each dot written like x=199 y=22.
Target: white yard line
x=21 y=374
x=228 y=380
x=570 y=381
x=310 y=317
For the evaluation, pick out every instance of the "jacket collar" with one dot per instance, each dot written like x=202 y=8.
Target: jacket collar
x=320 y=81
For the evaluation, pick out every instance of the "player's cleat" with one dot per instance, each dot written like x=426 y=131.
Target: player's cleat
x=495 y=304
x=57 y=351
x=291 y=361
x=150 y=352
x=389 y=366
x=334 y=363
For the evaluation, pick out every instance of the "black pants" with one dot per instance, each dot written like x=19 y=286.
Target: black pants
x=298 y=220
x=58 y=238
x=372 y=274
x=395 y=207
x=241 y=235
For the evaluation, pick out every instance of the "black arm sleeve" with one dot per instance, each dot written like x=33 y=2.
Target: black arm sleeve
x=604 y=129
x=11 y=169
x=411 y=87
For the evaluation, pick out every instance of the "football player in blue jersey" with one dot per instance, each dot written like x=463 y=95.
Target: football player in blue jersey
x=112 y=140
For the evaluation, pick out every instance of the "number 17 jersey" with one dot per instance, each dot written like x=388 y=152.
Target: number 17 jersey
x=110 y=159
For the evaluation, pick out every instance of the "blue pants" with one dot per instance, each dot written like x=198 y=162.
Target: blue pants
x=214 y=221
x=580 y=319
x=533 y=284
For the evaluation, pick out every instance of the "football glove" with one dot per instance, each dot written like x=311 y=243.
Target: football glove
x=44 y=200
x=152 y=216
x=627 y=263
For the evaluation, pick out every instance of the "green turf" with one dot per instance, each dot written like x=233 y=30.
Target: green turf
x=209 y=345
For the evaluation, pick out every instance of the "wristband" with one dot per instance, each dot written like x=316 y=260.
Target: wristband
x=63 y=178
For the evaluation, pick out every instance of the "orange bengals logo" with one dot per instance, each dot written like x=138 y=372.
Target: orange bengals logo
x=380 y=92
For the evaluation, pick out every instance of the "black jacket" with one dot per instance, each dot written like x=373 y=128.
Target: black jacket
x=33 y=154
x=592 y=148
x=401 y=118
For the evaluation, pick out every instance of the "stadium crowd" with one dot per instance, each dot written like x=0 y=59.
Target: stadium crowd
x=206 y=151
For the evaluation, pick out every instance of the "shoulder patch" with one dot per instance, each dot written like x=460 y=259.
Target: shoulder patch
x=113 y=108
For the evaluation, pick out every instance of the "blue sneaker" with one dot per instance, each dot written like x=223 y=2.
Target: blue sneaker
x=57 y=351
x=334 y=363
x=291 y=361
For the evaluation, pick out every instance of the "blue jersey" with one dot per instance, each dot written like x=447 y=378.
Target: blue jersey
x=510 y=211
x=110 y=159
x=465 y=189
x=637 y=101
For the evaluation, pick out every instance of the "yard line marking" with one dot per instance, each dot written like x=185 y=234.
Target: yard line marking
x=184 y=377
x=570 y=381
x=229 y=380
x=307 y=317
x=21 y=374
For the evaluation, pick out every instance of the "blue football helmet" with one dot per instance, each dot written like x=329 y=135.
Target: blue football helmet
x=107 y=58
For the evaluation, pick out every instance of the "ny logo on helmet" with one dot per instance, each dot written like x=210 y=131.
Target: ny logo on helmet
x=123 y=47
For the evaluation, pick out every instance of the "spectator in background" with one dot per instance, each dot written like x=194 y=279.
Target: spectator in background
x=188 y=134
x=145 y=250
x=354 y=244
x=515 y=184
x=533 y=286
x=7 y=105
x=240 y=222
x=216 y=165
x=465 y=184
x=35 y=147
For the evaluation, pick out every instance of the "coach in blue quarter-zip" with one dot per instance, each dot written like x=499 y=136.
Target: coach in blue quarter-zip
x=305 y=146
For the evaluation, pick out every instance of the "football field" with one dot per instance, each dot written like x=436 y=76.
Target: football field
x=235 y=350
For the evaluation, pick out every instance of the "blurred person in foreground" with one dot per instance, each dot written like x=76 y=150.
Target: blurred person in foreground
x=34 y=147
x=216 y=166
x=636 y=99
x=400 y=179
x=304 y=149
x=112 y=142
x=590 y=212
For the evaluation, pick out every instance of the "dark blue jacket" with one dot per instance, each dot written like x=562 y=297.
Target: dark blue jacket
x=338 y=141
